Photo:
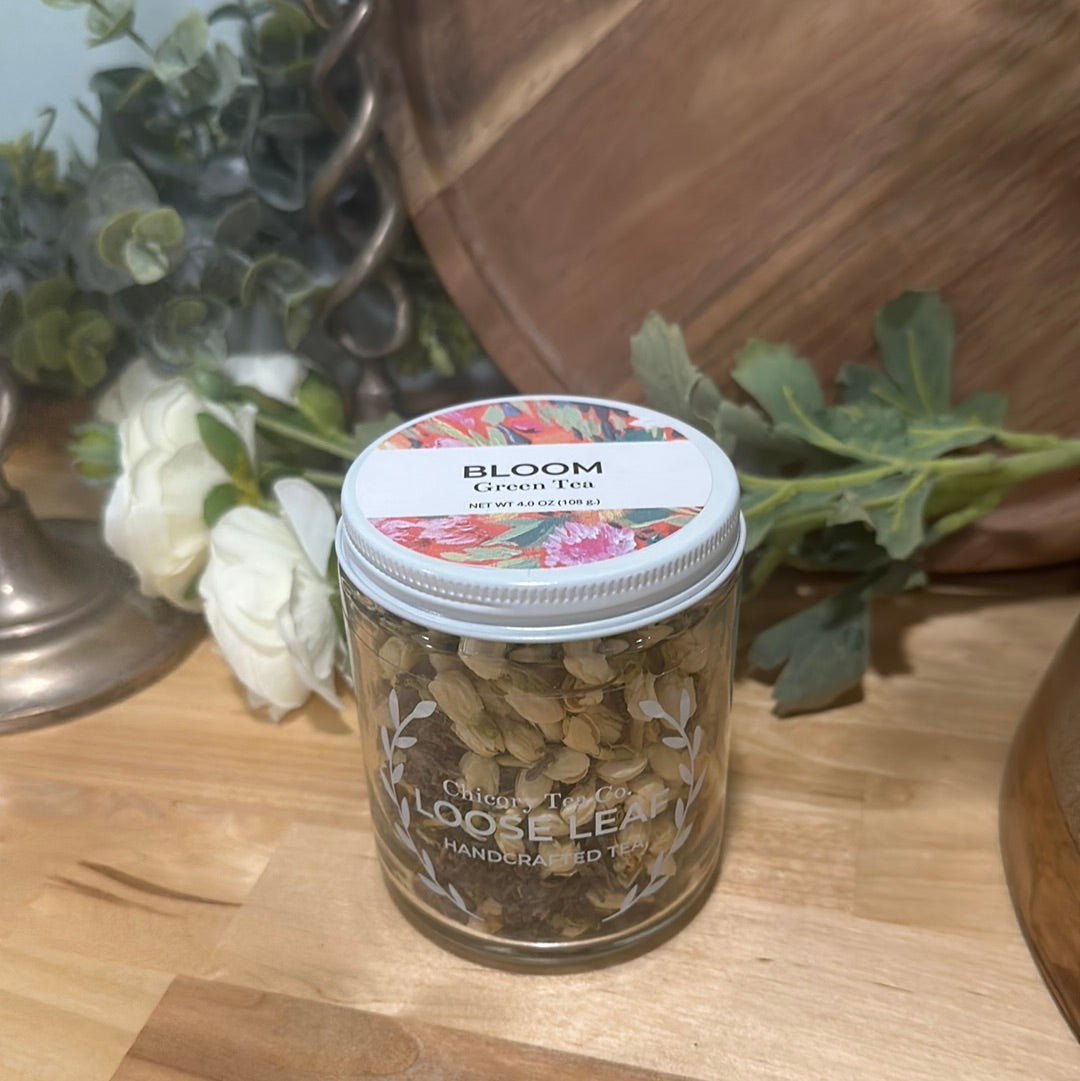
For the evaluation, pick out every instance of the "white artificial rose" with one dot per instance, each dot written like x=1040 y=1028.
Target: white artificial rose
x=267 y=599
x=154 y=515
x=128 y=390
x=274 y=375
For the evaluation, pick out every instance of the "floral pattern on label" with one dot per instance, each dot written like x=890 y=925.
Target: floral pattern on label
x=528 y=422
x=541 y=539
x=564 y=527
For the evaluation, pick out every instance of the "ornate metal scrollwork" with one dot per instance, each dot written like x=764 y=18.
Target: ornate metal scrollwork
x=359 y=150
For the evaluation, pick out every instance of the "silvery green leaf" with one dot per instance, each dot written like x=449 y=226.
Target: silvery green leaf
x=931 y=437
x=113 y=236
x=118 y=187
x=915 y=335
x=782 y=383
x=48 y=293
x=145 y=262
x=12 y=313
x=672 y=383
x=107 y=20
x=895 y=509
x=855 y=383
x=238 y=224
x=983 y=407
x=821 y=651
x=182 y=47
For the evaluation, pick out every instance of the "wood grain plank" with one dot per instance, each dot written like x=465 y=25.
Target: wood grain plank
x=65 y=1017
x=205 y=1031
x=750 y=989
x=773 y=170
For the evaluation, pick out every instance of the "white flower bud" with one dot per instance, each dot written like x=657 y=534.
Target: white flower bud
x=622 y=766
x=581 y=659
x=532 y=791
x=669 y=691
x=457 y=697
x=549 y=823
x=579 y=733
x=539 y=709
x=640 y=687
x=485 y=659
x=665 y=761
x=580 y=804
x=397 y=655
x=568 y=766
x=689 y=651
x=559 y=858
x=523 y=741
x=505 y=839
x=478 y=772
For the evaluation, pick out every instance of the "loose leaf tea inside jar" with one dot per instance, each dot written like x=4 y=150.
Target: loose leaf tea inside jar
x=540 y=596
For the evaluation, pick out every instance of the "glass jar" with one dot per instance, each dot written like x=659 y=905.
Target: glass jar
x=540 y=596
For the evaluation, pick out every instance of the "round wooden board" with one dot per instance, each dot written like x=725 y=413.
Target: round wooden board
x=774 y=169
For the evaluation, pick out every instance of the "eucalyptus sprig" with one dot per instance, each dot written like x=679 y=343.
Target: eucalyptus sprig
x=186 y=236
x=865 y=482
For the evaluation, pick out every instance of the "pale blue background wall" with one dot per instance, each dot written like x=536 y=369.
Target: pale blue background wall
x=44 y=61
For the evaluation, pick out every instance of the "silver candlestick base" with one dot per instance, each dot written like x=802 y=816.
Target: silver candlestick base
x=75 y=633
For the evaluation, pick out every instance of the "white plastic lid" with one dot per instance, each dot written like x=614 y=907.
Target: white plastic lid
x=532 y=519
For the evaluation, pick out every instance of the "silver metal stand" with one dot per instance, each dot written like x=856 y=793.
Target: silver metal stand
x=75 y=633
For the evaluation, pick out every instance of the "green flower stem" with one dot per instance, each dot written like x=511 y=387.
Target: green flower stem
x=964 y=515
x=1024 y=441
x=967 y=488
x=770 y=559
x=1050 y=454
x=341 y=448
x=131 y=33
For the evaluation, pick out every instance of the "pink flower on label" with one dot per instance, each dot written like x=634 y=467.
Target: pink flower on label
x=466 y=419
x=574 y=543
x=421 y=534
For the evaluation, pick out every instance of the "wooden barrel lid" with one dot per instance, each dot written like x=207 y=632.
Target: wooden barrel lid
x=774 y=169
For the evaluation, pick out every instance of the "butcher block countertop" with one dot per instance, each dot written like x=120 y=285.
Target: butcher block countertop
x=188 y=892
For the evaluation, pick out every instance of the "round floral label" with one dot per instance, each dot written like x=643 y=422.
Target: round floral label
x=534 y=483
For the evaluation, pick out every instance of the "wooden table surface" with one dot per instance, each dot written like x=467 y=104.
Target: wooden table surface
x=861 y=928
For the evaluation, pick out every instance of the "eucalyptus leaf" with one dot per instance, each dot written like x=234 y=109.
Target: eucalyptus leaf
x=113 y=236
x=182 y=47
x=12 y=313
x=49 y=293
x=224 y=176
x=190 y=330
x=107 y=20
x=238 y=224
x=146 y=262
